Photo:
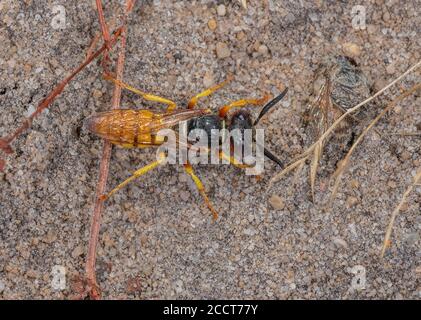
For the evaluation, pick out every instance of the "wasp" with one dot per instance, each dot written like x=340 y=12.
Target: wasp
x=339 y=85
x=138 y=128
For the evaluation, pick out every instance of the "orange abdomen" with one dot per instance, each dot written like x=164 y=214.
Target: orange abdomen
x=137 y=128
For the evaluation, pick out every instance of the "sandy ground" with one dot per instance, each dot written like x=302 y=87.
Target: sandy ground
x=157 y=238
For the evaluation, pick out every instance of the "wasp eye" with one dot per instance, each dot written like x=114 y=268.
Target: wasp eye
x=240 y=120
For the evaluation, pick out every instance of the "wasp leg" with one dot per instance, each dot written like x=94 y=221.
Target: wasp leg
x=193 y=101
x=189 y=169
x=241 y=103
x=233 y=161
x=150 y=97
x=136 y=174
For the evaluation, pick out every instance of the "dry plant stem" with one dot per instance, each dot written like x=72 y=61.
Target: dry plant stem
x=105 y=33
x=104 y=27
x=98 y=36
x=409 y=134
x=94 y=42
x=386 y=241
x=45 y=103
x=341 y=169
x=320 y=141
x=93 y=289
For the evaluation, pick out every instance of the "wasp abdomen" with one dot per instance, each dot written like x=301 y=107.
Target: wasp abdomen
x=137 y=128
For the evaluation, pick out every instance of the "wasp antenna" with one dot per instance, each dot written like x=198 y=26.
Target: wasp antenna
x=269 y=105
x=272 y=157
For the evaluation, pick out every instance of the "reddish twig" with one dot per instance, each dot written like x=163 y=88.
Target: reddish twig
x=104 y=27
x=105 y=33
x=45 y=103
x=93 y=44
x=93 y=288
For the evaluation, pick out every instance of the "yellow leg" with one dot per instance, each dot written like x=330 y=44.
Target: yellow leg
x=189 y=169
x=146 y=96
x=193 y=101
x=135 y=175
x=232 y=160
x=242 y=103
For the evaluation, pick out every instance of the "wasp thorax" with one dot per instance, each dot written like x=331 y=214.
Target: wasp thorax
x=205 y=127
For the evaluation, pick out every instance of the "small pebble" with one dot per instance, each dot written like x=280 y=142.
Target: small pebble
x=212 y=24
x=249 y=231
x=222 y=50
x=147 y=270
x=392 y=184
x=31 y=110
x=411 y=238
x=11 y=63
x=178 y=286
x=97 y=93
x=371 y=29
x=397 y=109
x=406 y=155
x=386 y=16
x=263 y=50
x=340 y=242
x=240 y=35
x=208 y=80
x=353 y=230
x=390 y=69
x=351 y=49
x=50 y=237
x=221 y=10
x=78 y=251
x=276 y=202
x=380 y=83
x=27 y=68
x=184 y=195
x=351 y=201
x=143 y=240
